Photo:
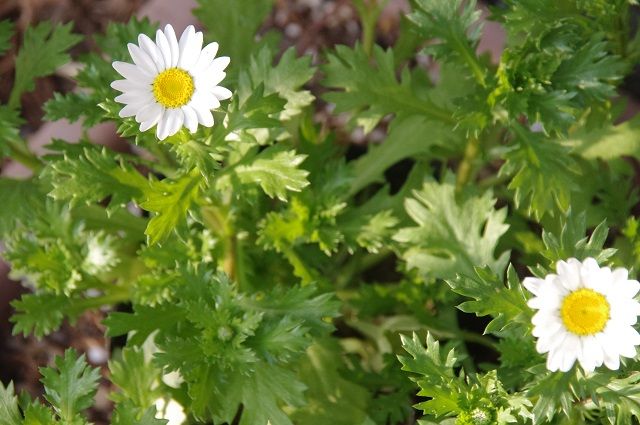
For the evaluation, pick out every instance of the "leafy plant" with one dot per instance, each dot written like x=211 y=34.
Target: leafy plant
x=266 y=274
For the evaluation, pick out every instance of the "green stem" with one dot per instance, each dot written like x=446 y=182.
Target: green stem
x=466 y=165
x=115 y=297
x=299 y=267
x=462 y=46
x=23 y=155
x=217 y=221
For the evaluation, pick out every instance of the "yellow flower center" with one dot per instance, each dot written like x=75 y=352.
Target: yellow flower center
x=173 y=88
x=585 y=312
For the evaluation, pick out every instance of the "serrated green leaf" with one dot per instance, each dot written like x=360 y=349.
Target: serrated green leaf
x=43 y=50
x=276 y=171
x=453 y=235
x=373 y=92
x=136 y=378
x=143 y=322
x=609 y=142
x=38 y=414
x=507 y=304
x=20 y=199
x=6 y=32
x=436 y=377
x=573 y=242
x=285 y=79
x=242 y=19
x=126 y=414
x=70 y=389
x=9 y=412
x=170 y=200
x=93 y=175
x=543 y=175
x=39 y=314
x=454 y=24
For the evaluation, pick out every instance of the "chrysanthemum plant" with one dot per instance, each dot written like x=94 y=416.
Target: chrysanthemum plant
x=263 y=273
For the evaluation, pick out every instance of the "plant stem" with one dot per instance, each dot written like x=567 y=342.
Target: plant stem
x=466 y=165
x=23 y=155
x=217 y=221
x=112 y=298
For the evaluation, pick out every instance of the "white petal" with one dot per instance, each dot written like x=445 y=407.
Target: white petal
x=170 y=123
x=164 y=47
x=129 y=111
x=221 y=93
x=152 y=49
x=128 y=85
x=190 y=118
x=203 y=100
x=592 y=354
x=206 y=57
x=135 y=97
x=220 y=63
x=146 y=125
x=142 y=59
x=570 y=349
x=204 y=117
x=533 y=284
x=569 y=273
x=190 y=46
x=173 y=44
x=623 y=286
x=554 y=360
x=132 y=73
x=611 y=359
x=148 y=113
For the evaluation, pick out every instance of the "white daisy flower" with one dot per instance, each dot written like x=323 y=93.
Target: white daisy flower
x=172 y=83
x=585 y=313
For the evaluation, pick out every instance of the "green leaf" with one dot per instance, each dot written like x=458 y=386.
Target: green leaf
x=543 y=175
x=10 y=123
x=39 y=314
x=170 y=200
x=9 y=412
x=435 y=375
x=43 y=51
x=37 y=413
x=136 y=378
x=126 y=414
x=373 y=92
x=93 y=175
x=20 y=199
x=6 y=32
x=256 y=111
x=241 y=18
x=261 y=394
x=143 y=322
x=553 y=395
x=329 y=391
x=408 y=137
x=506 y=304
x=454 y=23
x=573 y=242
x=453 y=235
x=285 y=79
x=377 y=232
x=276 y=171
x=609 y=142
x=71 y=388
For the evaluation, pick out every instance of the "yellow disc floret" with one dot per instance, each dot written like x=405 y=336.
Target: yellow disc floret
x=585 y=312
x=173 y=88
